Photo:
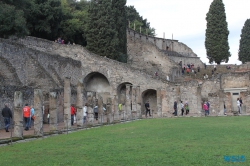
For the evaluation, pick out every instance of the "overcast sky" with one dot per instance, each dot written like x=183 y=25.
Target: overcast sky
x=186 y=20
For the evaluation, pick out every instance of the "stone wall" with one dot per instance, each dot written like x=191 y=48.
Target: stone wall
x=209 y=87
x=235 y=80
x=163 y=44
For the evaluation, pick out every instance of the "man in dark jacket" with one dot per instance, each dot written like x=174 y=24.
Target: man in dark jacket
x=147 y=109
x=7 y=114
x=175 y=108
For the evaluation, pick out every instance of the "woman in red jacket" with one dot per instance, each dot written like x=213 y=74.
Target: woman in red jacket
x=73 y=112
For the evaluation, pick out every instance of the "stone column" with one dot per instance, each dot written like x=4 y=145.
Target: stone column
x=90 y=101
x=116 y=111
x=199 y=102
x=134 y=109
x=53 y=111
x=138 y=102
x=100 y=110
x=18 y=114
x=38 y=123
x=79 y=104
x=67 y=97
x=109 y=110
x=159 y=103
x=128 y=102
x=221 y=102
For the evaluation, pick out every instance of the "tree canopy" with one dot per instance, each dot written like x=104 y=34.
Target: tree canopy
x=99 y=25
x=244 y=49
x=216 y=42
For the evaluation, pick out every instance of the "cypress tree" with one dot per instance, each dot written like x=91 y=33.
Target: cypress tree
x=244 y=50
x=216 y=42
x=119 y=13
x=102 y=36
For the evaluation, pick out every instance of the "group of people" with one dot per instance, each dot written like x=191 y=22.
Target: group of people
x=29 y=116
x=184 y=107
x=61 y=41
x=190 y=68
x=73 y=114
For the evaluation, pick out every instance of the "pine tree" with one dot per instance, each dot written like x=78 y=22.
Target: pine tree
x=216 y=42
x=244 y=50
x=119 y=13
x=102 y=36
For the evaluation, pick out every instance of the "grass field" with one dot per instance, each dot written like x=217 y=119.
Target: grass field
x=174 y=141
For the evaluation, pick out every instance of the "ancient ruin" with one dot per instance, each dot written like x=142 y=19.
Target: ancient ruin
x=53 y=76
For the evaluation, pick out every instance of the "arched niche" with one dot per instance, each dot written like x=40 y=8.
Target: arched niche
x=121 y=92
x=149 y=95
x=97 y=84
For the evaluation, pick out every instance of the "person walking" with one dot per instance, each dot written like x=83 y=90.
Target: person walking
x=7 y=114
x=72 y=112
x=225 y=109
x=32 y=114
x=182 y=108
x=187 y=108
x=208 y=107
x=238 y=105
x=147 y=106
x=26 y=115
x=85 y=113
x=241 y=103
x=205 y=108
x=175 y=108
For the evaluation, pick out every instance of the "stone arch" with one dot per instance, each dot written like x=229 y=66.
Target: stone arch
x=121 y=92
x=151 y=96
x=96 y=82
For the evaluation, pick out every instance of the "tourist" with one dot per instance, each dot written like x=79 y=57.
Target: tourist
x=205 y=108
x=225 y=110
x=96 y=112
x=184 y=67
x=32 y=114
x=241 y=103
x=205 y=65
x=212 y=73
x=73 y=112
x=147 y=106
x=7 y=114
x=85 y=113
x=167 y=78
x=48 y=116
x=26 y=115
x=204 y=76
x=214 y=67
x=187 y=108
x=120 y=107
x=182 y=108
x=175 y=108
x=182 y=71
x=195 y=73
x=188 y=70
x=238 y=105
x=208 y=107
x=198 y=68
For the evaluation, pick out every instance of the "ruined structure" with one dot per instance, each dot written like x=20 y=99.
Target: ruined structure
x=32 y=63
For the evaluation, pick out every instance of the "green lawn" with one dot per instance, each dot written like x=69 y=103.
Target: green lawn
x=174 y=141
